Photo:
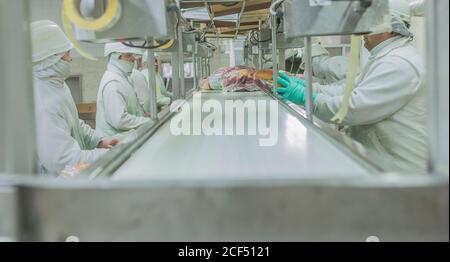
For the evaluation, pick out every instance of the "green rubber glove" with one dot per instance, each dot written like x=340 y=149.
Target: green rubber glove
x=293 y=89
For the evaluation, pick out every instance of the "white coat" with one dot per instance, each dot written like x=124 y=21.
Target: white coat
x=329 y=70
x=63 y=139
x=387 y=112
x=140 y=86
x=142 y=89
x=118 y=109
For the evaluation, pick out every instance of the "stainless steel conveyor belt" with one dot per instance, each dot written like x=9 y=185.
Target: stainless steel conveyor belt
x=301 y=152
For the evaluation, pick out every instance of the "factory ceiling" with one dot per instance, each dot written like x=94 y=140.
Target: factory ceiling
x=226 y=18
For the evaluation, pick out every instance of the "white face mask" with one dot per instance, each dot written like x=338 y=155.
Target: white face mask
x=63 y=69
x=57 y=72
x=125 y=66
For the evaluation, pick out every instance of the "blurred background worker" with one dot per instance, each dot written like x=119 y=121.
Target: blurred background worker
x=166 y=95
x=141 y=84
x=326 y=70
x=64 y=141
x=387 y=108
x=118 y=108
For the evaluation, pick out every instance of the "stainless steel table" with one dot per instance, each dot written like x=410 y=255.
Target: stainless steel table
x=301 y=152
x=228 y=188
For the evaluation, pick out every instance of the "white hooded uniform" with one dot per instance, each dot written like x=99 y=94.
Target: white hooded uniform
x=63 y=139
x=387 y=112
x=118 y=108
x=141 y=89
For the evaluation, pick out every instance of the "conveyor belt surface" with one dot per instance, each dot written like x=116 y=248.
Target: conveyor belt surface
x=299 y=153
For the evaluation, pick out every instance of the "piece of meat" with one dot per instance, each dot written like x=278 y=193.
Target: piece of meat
x=238 y=78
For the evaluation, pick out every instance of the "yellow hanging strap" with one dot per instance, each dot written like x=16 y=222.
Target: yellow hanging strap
x=70 y=15
x=350 y=81
x=69 y=32
x=108 y=19
x=166 y=46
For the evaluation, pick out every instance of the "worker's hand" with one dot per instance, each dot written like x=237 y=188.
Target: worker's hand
x=285 y=76
x=108 y=144
x=147 y=114
x=293 y=88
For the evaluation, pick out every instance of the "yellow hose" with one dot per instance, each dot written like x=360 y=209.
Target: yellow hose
x=106 y=21
x=166 y=46
x=69 y=32
x=350 y=81
x=70 y=15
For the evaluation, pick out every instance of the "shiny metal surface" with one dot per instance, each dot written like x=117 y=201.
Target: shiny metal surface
x=260 y=54
x=283 y=42
x=17 y=128
x=139 y=20
x=188 y=41
x=317 y=18
x=202 y=51
x=301 y=153
x=179 y=91
x=438 y=83
x=275 y=61
x=390 y=208
x=309 y=78
x=152 y=85
x=8 y=213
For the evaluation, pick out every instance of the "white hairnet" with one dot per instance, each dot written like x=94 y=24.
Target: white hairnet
x=47 y=39
x=401 y=9
x=399 y=27
x=121 y=48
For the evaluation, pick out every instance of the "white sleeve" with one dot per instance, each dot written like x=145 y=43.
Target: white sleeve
x=90 y=136
x=330 y=90
x=387 y=87
x=57 y=149
x=325 y=67
x=116 y=113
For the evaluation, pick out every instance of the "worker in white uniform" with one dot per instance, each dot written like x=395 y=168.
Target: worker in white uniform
x=387 y=111
x=165 y=94
x=140 y=81
x=64 y=141
x=140 y=85
x=326 y=69
x=118 y=108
